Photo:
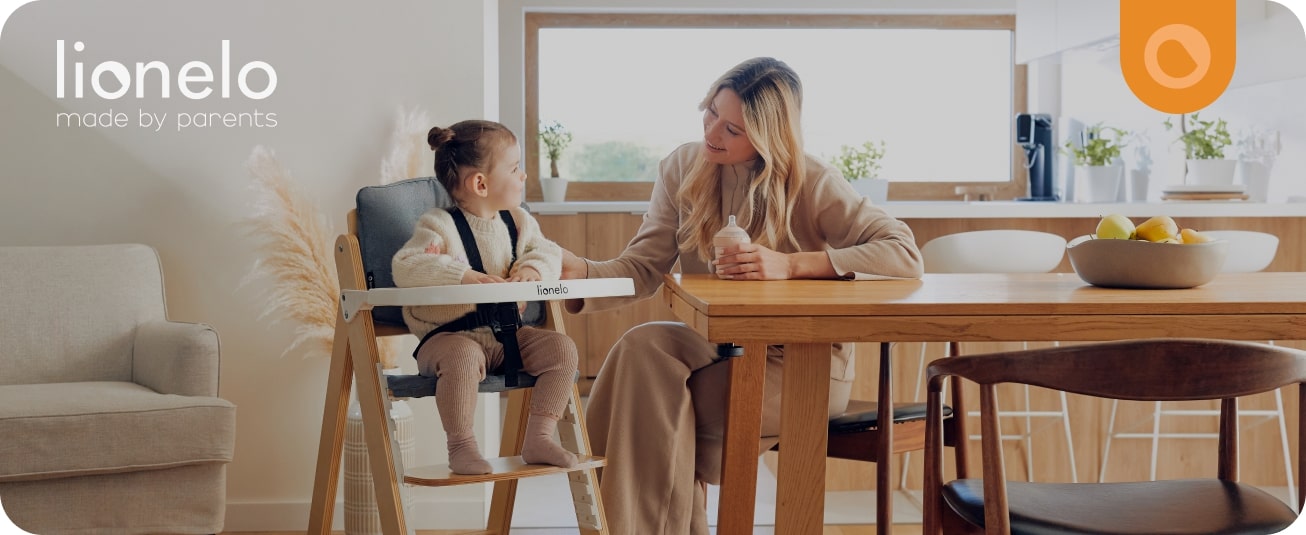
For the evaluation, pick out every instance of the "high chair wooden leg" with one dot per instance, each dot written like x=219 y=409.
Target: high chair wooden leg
x=584 y=483
x=383 y=452
x=331 y=444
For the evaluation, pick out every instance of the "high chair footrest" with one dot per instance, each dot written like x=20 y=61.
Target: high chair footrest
x=505 y=468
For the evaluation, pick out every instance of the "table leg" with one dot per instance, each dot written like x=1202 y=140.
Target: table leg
x=743 y=429
x=804 y=424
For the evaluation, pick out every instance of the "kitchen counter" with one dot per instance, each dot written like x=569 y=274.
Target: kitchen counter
x=999 y=209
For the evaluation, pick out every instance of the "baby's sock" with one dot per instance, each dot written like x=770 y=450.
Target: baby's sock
x=539 y=447
x=465 y=457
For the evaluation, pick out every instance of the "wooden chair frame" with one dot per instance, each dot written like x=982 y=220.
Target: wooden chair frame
x=355 y=358
x=1158 y=370
x=879 y=445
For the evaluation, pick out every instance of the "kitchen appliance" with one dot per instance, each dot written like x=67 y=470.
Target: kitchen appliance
x=1034 y=135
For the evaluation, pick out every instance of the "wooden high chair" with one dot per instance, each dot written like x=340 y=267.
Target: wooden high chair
x=381 y=224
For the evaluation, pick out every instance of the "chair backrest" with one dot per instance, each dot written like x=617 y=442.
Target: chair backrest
x=1248 y=250
x=1146 y=370
x=994 y=251
x=1162 y=369
x=1172 y=369
x=69 y=313
x=386 y=216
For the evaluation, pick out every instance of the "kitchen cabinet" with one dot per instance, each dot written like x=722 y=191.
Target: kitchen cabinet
x=1048 y=27
x=600 y=236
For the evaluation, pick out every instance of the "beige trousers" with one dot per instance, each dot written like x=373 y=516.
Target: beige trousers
x=657 y=412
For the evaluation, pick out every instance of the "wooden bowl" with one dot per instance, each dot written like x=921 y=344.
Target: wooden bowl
x=1143 y=264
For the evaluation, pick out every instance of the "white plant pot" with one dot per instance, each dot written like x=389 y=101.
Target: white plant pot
x=875 y=188
x=1210 y=172
x=1095 y=183
x=555 y=189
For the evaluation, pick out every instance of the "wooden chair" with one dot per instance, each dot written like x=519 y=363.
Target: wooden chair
x=383 y=221
x=1248 y=252
x=857 y=435
x=1146 y=370
x=1002 y=251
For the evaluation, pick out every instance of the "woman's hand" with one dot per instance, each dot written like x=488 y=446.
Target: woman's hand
x=750 y=261
x=472 y=276
x=574 y=267
x=525 y=274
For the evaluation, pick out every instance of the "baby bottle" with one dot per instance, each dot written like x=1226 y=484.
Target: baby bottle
x=729 y=235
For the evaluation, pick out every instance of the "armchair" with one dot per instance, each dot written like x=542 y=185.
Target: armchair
x=109 y=415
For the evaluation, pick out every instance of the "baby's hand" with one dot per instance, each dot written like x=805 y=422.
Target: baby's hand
x=525 y=274
x=472 y=276
x=432 y=249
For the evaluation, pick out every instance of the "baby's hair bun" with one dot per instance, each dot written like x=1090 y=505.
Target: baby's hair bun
x=438 y=136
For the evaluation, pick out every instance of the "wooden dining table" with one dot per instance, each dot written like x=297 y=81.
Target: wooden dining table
x=806 y=316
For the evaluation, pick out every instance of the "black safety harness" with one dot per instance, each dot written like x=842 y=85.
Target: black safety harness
x=503 y=319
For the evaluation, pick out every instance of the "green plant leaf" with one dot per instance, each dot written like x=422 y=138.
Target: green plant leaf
x=859 y=162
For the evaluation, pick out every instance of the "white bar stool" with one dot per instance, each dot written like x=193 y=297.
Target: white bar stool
x=1000 y=251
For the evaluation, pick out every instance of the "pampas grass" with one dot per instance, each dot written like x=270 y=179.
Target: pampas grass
x=294 y=246
x=295 y=241
x=408 y=148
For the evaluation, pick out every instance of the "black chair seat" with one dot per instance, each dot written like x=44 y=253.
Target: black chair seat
x=1191 y=506
x=861 y=416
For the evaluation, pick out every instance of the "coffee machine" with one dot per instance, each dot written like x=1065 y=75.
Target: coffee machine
x=1034 y=135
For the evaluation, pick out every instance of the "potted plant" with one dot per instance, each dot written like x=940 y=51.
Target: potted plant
x=555 y=139
x=1097 y=174
x=860 y=166
x=1204 y=144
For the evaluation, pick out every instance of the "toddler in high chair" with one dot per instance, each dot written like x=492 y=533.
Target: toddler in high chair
x=479 y=163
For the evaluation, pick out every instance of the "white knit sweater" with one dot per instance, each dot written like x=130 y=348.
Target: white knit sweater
x=413 y=266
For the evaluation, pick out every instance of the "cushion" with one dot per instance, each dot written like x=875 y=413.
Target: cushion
x=69 y=313
x=387 y=215
x=1196 y=506
x=71 y=429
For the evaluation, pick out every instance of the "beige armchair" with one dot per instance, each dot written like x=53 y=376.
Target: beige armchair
x=109 y=415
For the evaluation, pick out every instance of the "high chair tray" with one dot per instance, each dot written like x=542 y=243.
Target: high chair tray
x=499 y=292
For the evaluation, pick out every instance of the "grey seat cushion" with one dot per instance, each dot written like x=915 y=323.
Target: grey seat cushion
x=70 y=429
x=387 y=215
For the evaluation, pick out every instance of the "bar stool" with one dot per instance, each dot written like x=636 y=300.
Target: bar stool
x=999 y=251
x=1248 y=252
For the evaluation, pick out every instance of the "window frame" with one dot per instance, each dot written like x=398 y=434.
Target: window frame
x=642 y=191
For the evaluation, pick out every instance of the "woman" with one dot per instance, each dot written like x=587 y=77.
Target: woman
x=657 y=408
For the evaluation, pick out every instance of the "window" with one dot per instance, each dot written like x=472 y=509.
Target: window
x=939 y=90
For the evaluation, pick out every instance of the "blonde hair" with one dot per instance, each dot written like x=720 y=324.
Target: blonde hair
x=772 y=99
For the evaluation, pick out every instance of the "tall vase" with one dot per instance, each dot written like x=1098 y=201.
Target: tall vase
x=362 y=517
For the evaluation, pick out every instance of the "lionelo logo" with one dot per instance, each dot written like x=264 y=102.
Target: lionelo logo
x=112 y=80
x=1177 y=55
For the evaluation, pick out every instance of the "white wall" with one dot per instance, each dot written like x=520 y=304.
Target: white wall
x=1265 y=92
x=344 y=69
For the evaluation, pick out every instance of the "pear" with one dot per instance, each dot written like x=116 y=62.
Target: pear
x=1192 y=236
x=1115 y=227
x=1158 y=229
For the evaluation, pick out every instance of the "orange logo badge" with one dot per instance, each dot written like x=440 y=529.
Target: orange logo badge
x=1177 y=55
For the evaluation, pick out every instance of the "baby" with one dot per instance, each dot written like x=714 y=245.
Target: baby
x=479 y=163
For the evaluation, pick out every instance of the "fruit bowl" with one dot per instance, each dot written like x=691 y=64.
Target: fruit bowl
x=1143 y=264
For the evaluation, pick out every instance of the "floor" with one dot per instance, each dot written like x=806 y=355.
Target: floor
x=543 y=502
